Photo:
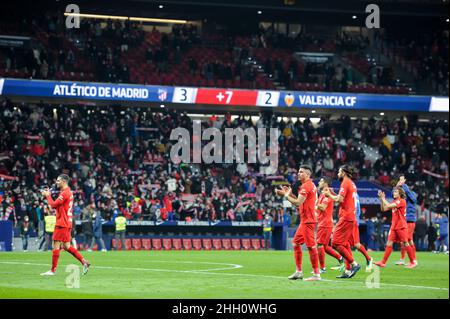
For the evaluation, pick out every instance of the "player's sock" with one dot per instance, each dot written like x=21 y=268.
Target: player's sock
x=364 y=252
x=402 y=251
x=410 y=252
x=314 y=258
x=76 y=254
x=333 y=253
x=55 y=257
x=348 y=266
x=298 y=257
x=347 y=254
x=321 y=253
x=414 y=251
x=387 y=253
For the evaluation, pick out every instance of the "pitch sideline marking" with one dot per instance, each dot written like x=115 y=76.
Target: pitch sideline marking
x=233 y=266
x=205 y=272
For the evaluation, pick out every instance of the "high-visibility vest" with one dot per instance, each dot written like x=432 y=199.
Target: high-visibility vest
x=121 y=223
x=50 y=222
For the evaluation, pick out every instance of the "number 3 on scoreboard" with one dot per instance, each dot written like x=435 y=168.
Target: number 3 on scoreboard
x=184 y=95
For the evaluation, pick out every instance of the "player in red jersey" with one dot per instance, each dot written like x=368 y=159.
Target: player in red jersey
x=306 y=200
x=343 y=232
x=324 y=212
x=61 y=236
x=399 y=228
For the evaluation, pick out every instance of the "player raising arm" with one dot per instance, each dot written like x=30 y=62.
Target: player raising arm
x=398 y=232
x=305 y=202
x=61 y=236
x=343 y=232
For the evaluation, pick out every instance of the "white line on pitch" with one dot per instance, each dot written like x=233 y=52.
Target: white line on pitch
x=206 y=272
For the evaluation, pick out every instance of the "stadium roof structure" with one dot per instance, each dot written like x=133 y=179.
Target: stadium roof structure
x=322 y=12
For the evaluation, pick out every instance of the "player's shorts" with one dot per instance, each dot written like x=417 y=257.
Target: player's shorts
x=305 y=235
x=398 y=235
x=411 y=228
x=355 y=236
x=324 y=235
x=343 y=233
x=62 y=234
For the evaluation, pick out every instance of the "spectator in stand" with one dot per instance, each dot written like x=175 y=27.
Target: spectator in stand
x=86 y=226
x=98 y=231
x=432 y=236
x=441 y=222
x=25 y=231
x=421 y=232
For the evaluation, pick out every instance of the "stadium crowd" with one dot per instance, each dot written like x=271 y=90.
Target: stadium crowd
x=118 y=158
x=185 y=56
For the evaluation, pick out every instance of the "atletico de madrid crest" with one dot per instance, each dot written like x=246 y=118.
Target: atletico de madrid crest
x=162 y=94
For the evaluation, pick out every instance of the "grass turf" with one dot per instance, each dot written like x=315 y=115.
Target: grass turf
x=213 y=274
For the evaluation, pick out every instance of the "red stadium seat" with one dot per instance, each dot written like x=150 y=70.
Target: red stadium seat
x=256 y=244
x=263 y=244
x=156 y=242
x=217 y=244
x=136 y=243
x=167 y=243
x=207 y=245
x=128 y=244
x=236 y=243
x=116 y=244
x=197 y=243
x=95 y=247
x=246 y=244
x=187 y=244
x=176 y=243
x=226 y=244
x=146 y=244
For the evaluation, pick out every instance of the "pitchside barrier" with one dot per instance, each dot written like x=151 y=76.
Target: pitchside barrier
x=6 y=235
x=192 y=235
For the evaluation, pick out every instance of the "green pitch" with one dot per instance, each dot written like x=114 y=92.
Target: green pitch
x=213 y=274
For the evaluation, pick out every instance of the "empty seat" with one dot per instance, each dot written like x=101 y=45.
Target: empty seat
x=187 y=243
x=176 y=242
x=156 y=243
x=246 y=244
x=128 y=244
x=226 y=244
x=136 y=243
x=167 y=243
x=256 y=244
x=116 y=244
x=217 y=244
x=263 y=243
x=197 y=243
x=207 y=245
x=236 y=243
x=146 y=244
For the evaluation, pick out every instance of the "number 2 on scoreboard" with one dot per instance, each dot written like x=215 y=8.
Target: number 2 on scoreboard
x=269 y=96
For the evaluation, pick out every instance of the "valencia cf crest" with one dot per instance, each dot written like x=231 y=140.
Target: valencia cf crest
x=289 y=99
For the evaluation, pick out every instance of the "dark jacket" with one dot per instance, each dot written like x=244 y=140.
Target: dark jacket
x=86 y=222
x=421 y=228
x=25 y=228
x=432 y=233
